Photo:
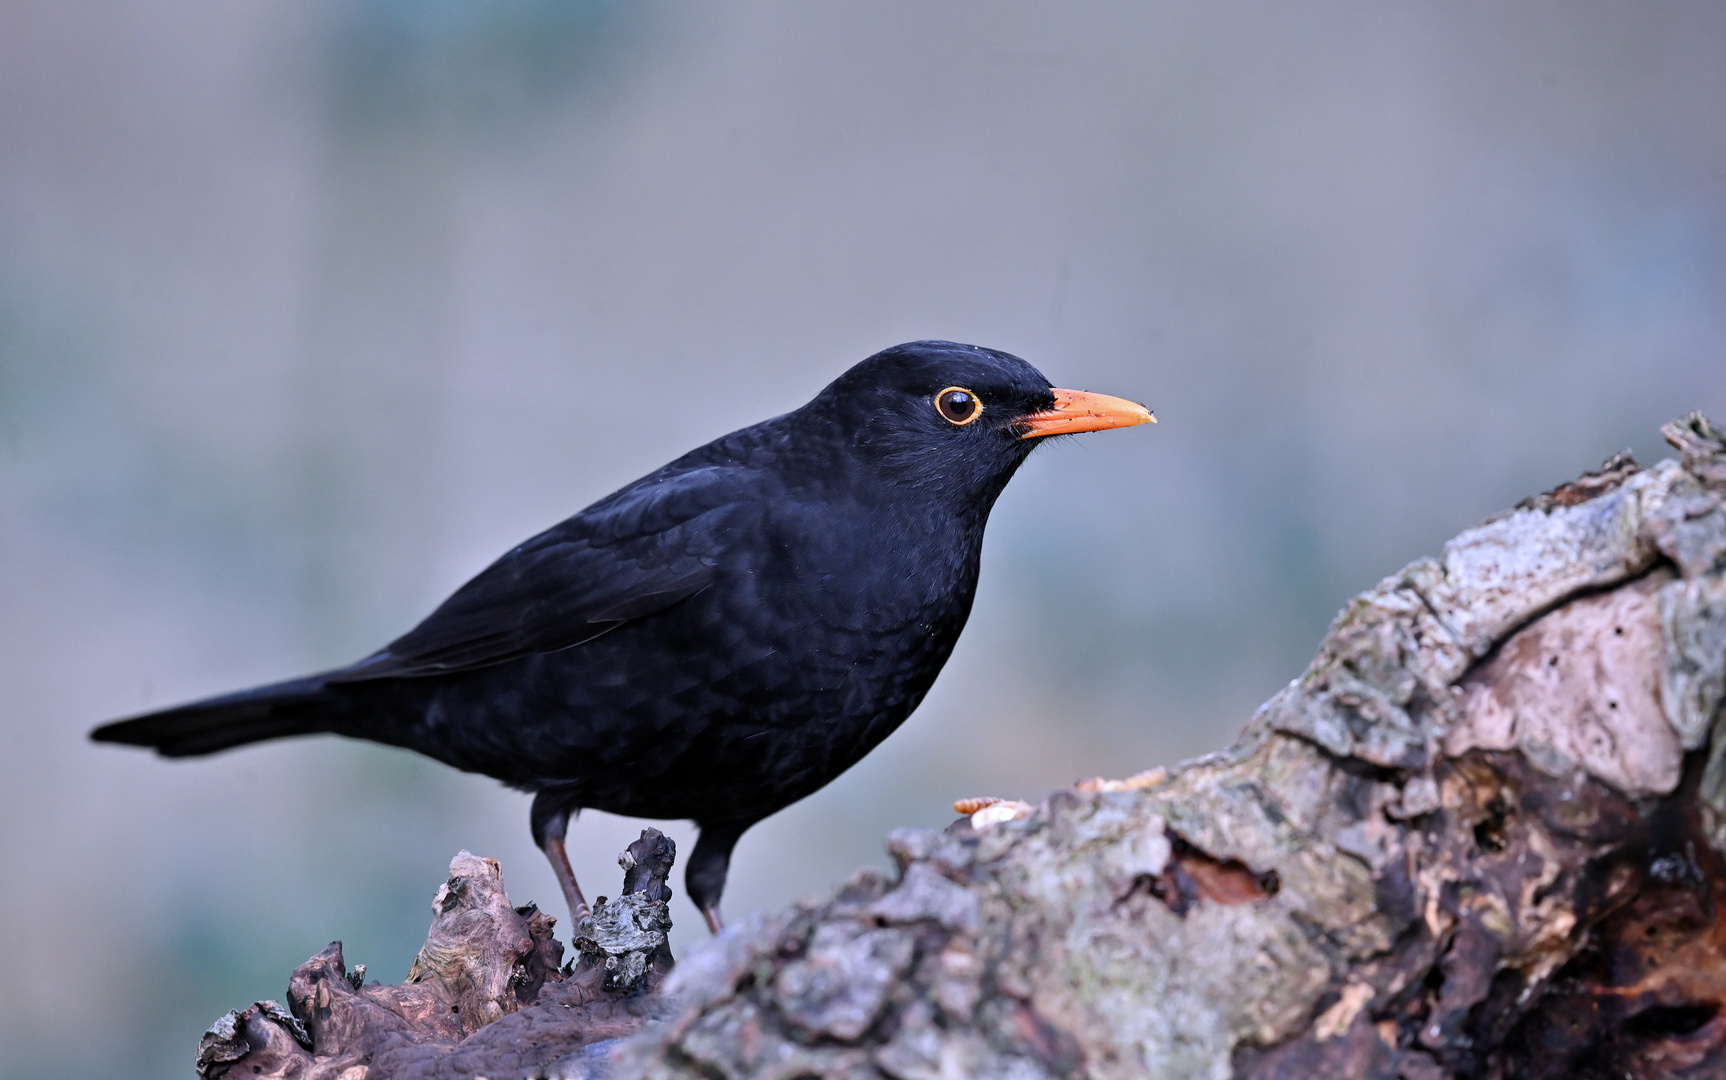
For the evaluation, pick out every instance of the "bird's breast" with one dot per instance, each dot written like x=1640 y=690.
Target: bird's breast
x=856 y=612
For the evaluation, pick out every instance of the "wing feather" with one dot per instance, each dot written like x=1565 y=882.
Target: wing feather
x=630 y=556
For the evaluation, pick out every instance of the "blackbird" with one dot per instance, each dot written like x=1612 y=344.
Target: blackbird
x=716 y=640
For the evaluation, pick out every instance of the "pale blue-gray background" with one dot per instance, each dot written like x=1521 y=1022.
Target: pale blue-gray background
x=309 y=308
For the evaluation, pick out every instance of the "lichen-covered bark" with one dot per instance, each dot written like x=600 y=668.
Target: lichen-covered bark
x=1481 y=836
x=1477 y=837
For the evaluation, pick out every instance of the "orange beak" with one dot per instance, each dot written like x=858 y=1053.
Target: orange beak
x=1077 y=411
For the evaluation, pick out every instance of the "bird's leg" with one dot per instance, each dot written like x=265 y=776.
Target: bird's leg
x=550 y=824
x=578 y=909
x=708 y=863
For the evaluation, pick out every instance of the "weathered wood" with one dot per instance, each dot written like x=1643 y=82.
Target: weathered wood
x=486 y=995
x=1481 y=836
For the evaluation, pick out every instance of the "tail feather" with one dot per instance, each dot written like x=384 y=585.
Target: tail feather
x=298 y=707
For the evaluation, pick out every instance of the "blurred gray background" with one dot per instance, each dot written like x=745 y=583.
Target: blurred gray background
x=310 y=308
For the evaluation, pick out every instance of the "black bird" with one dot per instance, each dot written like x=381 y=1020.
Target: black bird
x=718 y=639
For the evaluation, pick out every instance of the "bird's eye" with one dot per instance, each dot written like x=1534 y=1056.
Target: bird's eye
x=958 y=405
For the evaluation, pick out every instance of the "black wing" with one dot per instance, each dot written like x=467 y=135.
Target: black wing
x=633 y=554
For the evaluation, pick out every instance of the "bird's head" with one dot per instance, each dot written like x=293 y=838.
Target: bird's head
x=955 y=419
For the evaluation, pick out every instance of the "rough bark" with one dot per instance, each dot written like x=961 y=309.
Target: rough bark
x=1481 y=836
x=485 y=996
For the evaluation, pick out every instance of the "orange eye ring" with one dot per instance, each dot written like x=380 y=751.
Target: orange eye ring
x=958 y=406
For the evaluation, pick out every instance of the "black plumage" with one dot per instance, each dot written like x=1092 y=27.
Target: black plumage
x=716 y=640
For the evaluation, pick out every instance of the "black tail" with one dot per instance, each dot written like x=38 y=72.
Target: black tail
x=298 y=707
